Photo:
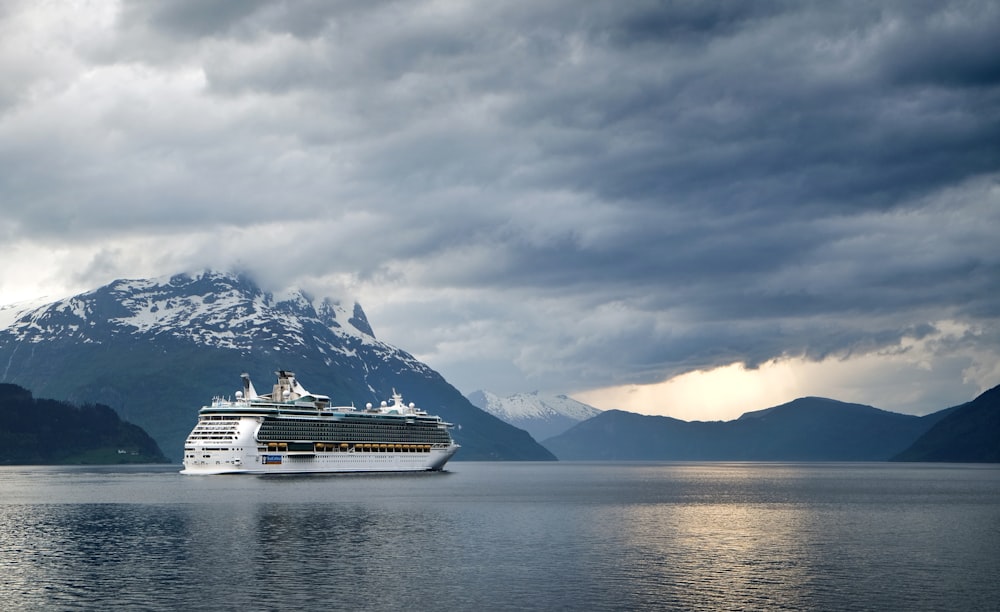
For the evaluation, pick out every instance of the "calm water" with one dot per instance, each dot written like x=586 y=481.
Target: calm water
x=493 y=536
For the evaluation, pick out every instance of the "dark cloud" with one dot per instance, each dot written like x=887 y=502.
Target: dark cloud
x=945 y=46
x=189 y=19
x=599 y=192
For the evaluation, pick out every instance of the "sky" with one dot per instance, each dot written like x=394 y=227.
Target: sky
x=685 y=208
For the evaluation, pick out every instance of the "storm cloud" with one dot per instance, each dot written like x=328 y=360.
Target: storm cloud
x=558 y=195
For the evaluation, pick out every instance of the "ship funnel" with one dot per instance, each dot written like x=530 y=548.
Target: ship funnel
x=248 y=391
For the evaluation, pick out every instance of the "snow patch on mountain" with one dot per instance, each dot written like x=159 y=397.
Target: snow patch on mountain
x=535 y=405
x=543 y=416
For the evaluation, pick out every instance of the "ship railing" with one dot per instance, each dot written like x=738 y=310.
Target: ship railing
x=225 y=402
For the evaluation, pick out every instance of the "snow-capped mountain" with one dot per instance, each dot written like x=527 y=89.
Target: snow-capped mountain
x=212 y=309
x=543 y=416
x=158 y=349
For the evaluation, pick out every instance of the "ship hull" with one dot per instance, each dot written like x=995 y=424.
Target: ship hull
x=319 y=463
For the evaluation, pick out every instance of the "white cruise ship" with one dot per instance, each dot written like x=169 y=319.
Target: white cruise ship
x=292 y=431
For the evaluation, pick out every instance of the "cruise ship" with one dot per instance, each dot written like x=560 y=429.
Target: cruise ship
x=292 y=431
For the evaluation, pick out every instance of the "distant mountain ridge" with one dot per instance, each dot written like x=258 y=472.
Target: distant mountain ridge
x=968 y=433
x=543 y=416
x=156 y=350
x=806 y=429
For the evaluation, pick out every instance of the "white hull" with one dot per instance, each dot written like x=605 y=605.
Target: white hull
x=319 y=463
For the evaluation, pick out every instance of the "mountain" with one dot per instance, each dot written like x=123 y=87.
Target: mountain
x=806 y=429
x=44 y=432
x=156 y=350
x=543 y=416
x=969 y=433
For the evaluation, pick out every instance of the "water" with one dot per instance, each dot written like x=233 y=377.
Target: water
x=506 y=536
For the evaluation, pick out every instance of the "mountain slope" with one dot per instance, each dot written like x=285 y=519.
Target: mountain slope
x=807 y=429
x=156 y=350
x=970 y=433
x=543 y=416
x=42 y=432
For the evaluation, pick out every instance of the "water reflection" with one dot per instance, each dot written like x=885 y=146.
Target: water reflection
x=804 y=537
x=717 y=556
x=500 y=536
x=345 y=556
x=64 y=555
x=712 y=537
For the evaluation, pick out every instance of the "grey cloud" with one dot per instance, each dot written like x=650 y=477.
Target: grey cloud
x=644 y=187
x=188 y=19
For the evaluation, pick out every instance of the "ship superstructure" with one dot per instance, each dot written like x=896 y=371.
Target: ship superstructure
x=293 y=431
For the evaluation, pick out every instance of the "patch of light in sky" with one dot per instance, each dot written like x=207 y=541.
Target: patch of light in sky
x=908 y=380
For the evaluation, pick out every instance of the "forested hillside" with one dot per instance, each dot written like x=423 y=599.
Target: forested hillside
x=44 y=431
